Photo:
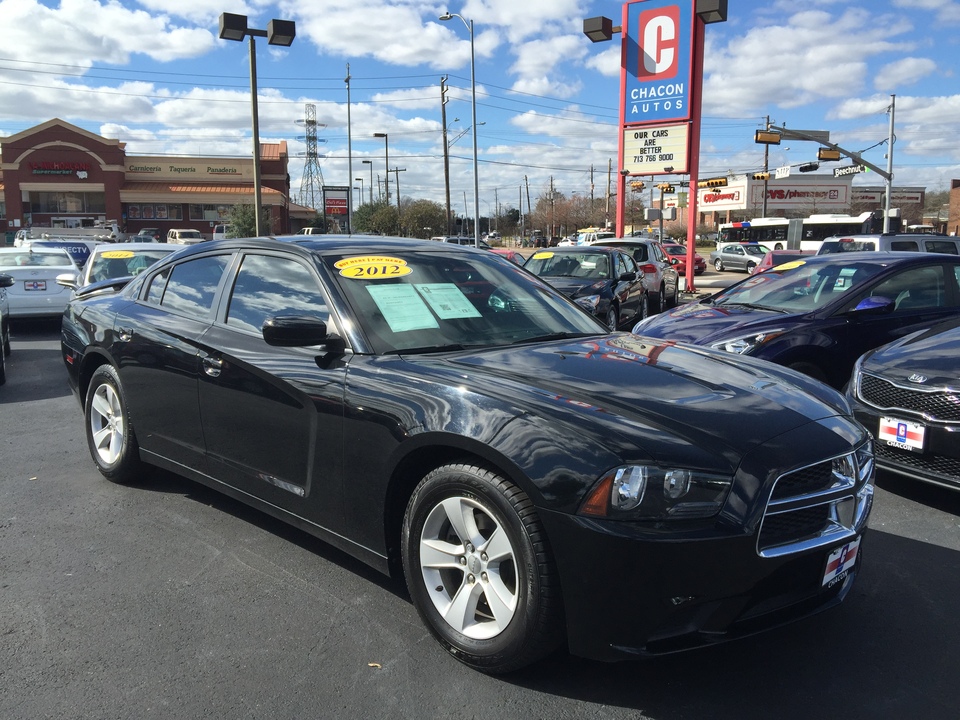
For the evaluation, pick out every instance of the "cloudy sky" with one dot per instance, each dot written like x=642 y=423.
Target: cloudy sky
x=155 y=75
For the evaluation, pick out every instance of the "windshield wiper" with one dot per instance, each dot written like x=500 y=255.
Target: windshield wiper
x=755 y=306
x=553 y=336
x=452 y=347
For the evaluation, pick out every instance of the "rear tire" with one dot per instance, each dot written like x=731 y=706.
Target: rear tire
x=751 y=268
x=718 y=264
x=3 y=368
x=479 y=570
x=613 y=319
x=644 y=312
x=110 y=436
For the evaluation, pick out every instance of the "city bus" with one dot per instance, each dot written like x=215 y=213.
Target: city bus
x=772 y=232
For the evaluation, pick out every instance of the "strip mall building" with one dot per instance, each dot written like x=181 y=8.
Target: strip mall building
x=59 y=175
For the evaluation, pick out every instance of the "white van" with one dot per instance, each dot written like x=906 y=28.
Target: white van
x=221 y=231
x=909 y=242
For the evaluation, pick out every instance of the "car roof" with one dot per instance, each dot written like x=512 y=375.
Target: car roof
x=882 y=258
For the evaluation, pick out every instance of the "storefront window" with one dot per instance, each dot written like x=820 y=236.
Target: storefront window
x=154 y=212
x=210 y=212
x=68 y=202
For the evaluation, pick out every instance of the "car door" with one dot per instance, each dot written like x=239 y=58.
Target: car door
x=922 y=295
x=667 y=270
x=272 y=416
x=733 y=257
x=628 y=291
x=156 y=343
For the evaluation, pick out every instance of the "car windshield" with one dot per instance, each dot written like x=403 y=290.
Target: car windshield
x=34 y=259
x=120 y=263
x=434 y=300
x=798 y=286
x=587 y=265
x=760 y=250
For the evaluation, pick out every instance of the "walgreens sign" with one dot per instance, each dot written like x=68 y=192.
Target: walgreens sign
x=658 y=64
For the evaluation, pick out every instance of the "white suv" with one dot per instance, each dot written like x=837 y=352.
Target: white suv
x=184 y=237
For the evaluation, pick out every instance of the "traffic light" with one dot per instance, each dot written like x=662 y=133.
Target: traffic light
x=666 y=188
x=809 y=167
x=766 y=137
x=761 y=176
x=636 y=185
x=712 y=182
x=827 y=154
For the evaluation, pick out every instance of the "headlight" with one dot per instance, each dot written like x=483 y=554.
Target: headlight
x=648 y=492
x=747 y=343
x=590 y=302
x=853 y=388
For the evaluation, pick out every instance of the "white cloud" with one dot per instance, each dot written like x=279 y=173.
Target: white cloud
x=947 y=11
x=903 y=72
x=796 y=63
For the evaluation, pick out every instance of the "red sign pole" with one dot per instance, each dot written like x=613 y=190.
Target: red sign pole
x=694 y=160
x=621 y=176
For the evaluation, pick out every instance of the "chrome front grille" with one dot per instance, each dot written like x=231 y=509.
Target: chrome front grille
x=819 y=504
x=939 y=404
x=944 y=467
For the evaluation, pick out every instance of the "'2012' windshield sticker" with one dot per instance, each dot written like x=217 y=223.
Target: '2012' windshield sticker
x=373 y=267
x=543 y=255
x=402 y=307
x=117 y=254
x=791 y=265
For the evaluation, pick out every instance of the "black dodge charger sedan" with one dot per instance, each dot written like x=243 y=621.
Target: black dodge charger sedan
x=440 y=413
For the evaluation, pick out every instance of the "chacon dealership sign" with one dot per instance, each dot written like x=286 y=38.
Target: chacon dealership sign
x=659 y=61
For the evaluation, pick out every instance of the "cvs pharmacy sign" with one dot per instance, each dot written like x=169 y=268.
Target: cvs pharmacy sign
x=658 y=63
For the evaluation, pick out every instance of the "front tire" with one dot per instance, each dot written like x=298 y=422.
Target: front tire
x=479 y=571
x=644 y=307
x=751 y=268
x=613 y=319
x=718 y=265
x=110 y=437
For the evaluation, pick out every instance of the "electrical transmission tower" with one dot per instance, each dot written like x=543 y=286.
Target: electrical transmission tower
x=311 y=182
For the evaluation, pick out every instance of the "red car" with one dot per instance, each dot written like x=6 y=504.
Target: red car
x=678 y=256
x=779 y=257
x=509 y=254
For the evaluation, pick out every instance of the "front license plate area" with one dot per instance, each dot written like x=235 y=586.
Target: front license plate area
x=902 y=434
x=35 y=285
x=840 y=562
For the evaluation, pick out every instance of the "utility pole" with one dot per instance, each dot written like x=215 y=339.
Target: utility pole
x=396 y=172
x=350 y=157
x=552 y=228
x=606 y=211
x=446 y=148
x=529 y=209
x=890 y=140
x=496 y=209
x=520 y=205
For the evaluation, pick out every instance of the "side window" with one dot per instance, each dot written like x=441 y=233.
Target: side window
x=192 y=286
x=941 y=246
x=268 y=286
x=908 y=245
x=914 y=289
x=157 y=285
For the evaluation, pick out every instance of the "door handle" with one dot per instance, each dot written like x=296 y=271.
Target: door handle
x=212 y=366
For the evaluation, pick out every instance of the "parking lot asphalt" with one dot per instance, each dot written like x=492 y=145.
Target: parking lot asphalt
x=167 y=600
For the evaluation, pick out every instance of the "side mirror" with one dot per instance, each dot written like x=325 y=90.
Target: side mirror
x=6 y=281
x=628 y=277
x=68 y=280
x=674 y=261
x=875 y=305
x=299 y=331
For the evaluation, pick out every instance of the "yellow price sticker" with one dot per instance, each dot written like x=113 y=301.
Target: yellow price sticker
x=543 y=255
x=117 y=254
x=793 y=264
x=373 y=267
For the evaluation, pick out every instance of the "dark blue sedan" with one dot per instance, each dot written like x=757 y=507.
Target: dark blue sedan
x=819 y=314
x=605 y=281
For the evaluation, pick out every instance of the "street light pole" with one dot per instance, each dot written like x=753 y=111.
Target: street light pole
x=370 y=163
x=473 y=94
x=278 y=32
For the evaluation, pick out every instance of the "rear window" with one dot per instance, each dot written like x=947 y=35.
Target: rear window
x=907 y=245
x=941 y=246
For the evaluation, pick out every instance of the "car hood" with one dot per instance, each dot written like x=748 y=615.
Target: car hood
x=932 y=354
x=703 y=324
x=647 y=393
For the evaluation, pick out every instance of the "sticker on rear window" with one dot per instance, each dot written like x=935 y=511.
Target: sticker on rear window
x=373 y=267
